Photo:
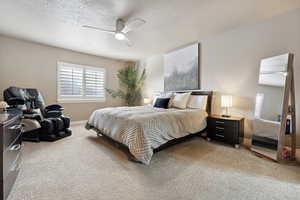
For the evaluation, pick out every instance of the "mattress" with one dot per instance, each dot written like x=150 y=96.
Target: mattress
x=144 y=128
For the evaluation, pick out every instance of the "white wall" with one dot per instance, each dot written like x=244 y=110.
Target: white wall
x=230 y=62
x=154 y=72
x=27 y=64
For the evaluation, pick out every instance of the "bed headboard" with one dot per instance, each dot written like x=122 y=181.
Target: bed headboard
x=209 y=95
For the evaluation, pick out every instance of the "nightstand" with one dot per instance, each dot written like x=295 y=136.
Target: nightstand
x=226 y=129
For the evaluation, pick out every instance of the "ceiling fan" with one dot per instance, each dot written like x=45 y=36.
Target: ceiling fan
x=122 y=28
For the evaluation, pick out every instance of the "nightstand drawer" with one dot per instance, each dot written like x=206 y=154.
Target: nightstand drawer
x=220 y=130
x=223 y=122
x=222 y=133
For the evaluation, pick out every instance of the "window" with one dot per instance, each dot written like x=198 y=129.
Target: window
x=79 y=83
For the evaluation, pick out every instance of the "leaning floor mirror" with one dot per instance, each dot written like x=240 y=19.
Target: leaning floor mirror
x=274 y=125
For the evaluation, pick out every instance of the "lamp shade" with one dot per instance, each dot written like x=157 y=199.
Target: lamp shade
x=226 y=101
x=147 y=100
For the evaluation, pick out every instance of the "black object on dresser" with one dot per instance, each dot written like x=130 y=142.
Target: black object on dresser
x=11 y=143
x=226 y=129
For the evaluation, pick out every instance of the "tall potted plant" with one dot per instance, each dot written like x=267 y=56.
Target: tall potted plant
x=131 y=83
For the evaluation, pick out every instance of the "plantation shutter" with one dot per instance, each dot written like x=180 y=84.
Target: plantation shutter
x=80 y=83
x=94 y=82
x=70 y=80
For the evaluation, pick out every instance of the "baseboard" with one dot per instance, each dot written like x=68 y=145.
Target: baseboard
x=78 y=122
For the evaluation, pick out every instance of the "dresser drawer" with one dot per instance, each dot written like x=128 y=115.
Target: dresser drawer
x=11 y=143
x=11 y=177
x=12 y=132
x=11 y=156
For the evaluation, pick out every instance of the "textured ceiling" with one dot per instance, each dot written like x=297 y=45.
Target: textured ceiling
x=170 y=23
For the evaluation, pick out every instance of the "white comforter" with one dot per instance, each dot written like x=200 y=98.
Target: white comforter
x=144 y=128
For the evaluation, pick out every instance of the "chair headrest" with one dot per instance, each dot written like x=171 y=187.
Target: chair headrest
x=28 y=95
x=19 y=93
x=36 y=96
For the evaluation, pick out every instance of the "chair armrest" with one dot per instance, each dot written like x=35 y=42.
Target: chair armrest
x=15 y=101
x=32 y=116
x=53 y=114
x=55 y=107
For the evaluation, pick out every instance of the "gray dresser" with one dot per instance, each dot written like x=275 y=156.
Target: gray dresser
x=11 y=143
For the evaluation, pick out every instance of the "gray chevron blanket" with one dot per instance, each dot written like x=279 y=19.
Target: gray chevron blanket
x=144 y=128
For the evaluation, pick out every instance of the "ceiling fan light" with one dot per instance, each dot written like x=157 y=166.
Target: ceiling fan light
x=120 y=36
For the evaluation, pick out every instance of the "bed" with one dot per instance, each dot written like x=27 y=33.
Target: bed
x=145 y=130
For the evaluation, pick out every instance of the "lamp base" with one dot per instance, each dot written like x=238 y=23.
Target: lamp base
x=227 y=116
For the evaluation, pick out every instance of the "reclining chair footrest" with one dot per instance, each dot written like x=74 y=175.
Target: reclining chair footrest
x=31 y=136
x=55 y=137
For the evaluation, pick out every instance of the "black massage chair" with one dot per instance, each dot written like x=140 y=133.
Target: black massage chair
x=49 y=121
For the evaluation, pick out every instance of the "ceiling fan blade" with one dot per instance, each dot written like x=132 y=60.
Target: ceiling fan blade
x=99 y=29
x=128 y=42
x=133 y=24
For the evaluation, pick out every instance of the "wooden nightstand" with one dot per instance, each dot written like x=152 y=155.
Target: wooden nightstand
x=226 y=129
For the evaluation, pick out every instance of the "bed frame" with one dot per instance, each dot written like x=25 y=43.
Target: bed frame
x=170 y=143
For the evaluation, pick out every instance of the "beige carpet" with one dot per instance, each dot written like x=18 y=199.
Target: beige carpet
x=86 y=167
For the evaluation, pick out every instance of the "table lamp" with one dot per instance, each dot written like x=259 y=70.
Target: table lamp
x=3 y=106
x=147 y=101
x=226 y=102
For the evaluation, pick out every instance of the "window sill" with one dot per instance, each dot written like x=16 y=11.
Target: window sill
x=80 y=100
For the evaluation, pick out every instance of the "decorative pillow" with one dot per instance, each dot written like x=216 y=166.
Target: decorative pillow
x=162 y=95
x=180 y=100
x=197 y=101
x=161 y=103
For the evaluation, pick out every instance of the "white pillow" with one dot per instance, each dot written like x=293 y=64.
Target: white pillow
x=180 y=100
x=197 y=101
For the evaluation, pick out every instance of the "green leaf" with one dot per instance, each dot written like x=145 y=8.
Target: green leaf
x=131 y=82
